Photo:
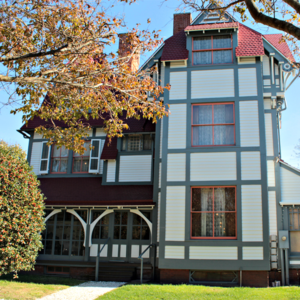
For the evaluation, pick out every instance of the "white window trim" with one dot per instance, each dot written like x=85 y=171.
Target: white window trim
x=95 y=157
x=42 y=159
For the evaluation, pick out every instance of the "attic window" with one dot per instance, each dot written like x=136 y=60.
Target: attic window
x=212 y=50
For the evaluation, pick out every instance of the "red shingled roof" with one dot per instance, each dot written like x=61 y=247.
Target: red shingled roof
x=249 y=42
x=212 y=26
x=274 y=39
x=175 y=48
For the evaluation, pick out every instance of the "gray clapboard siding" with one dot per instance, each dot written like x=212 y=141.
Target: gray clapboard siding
x=266 y=65
x=178 y=82
x=175 y=213
x=247 y=82
x=249 y=124
x=250 y=164
x=177 y=127
x=247 y=60
x=212 y=84
x=213 y=166
x=36 y=154
x=174 y=252
x=272 y=213
x=253 y=253
x=214 y=253
x=90 y=132
x=252 y=228
x=176 y=167
x=290 y=186
x=158 y=215
x=111 y=171
x=269 y=134
x=100 y=132
x=134 y=168
x=271 y=173
x=267 y=103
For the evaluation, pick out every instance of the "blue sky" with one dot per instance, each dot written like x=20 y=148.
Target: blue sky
x=161 y=15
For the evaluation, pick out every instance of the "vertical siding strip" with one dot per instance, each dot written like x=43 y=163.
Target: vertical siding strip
x=247 y=82
x=178 y=82
x=176 y=167
x=249 y=124
x=177 y=127
x=271 y=173
x=111 y=171
x=175 y=213
x=252 y=228
x=272 y=213
x=250 y=164
x=269 y=134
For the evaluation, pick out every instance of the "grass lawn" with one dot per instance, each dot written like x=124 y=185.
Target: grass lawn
x=141 y=292
x=32 y=286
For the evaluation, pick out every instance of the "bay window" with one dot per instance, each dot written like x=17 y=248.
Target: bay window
x=212 y=50
x=213 y=124
x=213 y=213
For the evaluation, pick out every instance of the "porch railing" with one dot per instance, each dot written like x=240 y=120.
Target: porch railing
x=142 y=260
x=97 y=258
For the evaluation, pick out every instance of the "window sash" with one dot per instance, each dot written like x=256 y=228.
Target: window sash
x=95 y=162
x=59 y=158
x=212 y=132
x=205 y=55
x=213 y=214
x=82 y=158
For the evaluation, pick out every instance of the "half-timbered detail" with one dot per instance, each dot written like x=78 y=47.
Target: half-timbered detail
x=205 y=187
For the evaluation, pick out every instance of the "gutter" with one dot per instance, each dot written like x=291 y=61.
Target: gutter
x=25 y=135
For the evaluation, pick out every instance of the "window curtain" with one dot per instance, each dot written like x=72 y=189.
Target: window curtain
x=221 y=42
x=219 y=205
x=202 y=135
x=206 y=218
x=222 y=57
x=202 y=58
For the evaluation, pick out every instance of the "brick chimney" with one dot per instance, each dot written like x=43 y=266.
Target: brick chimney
x=181 y=21
x=125 y=48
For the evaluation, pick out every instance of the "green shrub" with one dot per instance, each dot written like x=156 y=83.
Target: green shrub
x=21 y=211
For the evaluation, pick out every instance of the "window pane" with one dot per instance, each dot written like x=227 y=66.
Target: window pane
x=224 y=135
x=85 y=165
x=48 y=248
x=202 y=58
x=147 y=215
x=202 y=135
x=295 y=241
x=95 y=151
x=201 y=43
x=94 y=164
x=117 y=218
x=105 y=220
x=57 y=248
x=63 y=165
x=67 y=232
x=202 y=199
x=123 y=232
x=116 y=232
x=65 y=247
x=136 y=219
x=145 y=233
x=104 y=232
x=75 y=248
x=45 y=151
x=55 y=165
x=224 y=224
x=56 y=151
x=230 y=199
x=222 y=57
x=124 y=218
x=135 y=142
x=49 y=232
x=202 y=225
x=59 y=232
x=87 y=149
x=147 y=142
x=44 y=164
x=202 y=114
x=219 y=204
x=223 y=114
x=64 y=151
x=77 y=164
x=222 y=41
x=136 y=231
x=96 y=233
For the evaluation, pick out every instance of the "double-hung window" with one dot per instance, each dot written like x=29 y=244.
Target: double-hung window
x=213 y=213
x=81 y=162
x=59 y=159
x=212 y=50
x=213 y=124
